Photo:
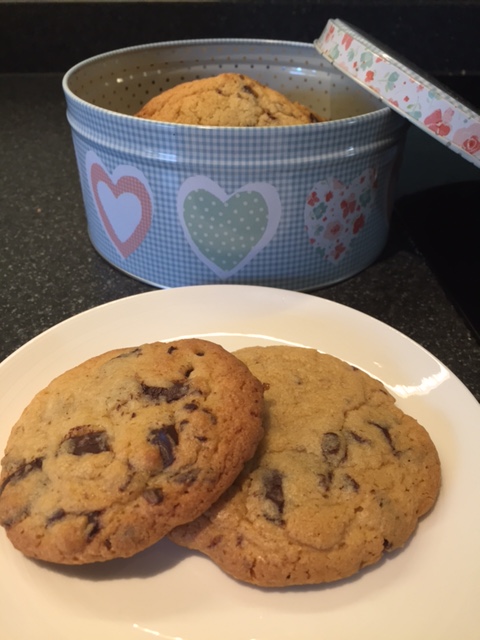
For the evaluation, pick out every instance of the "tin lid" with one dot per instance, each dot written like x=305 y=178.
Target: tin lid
x=425 y=104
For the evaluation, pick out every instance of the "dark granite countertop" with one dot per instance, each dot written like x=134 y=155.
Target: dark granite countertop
x=49 y=271
x=440 y=36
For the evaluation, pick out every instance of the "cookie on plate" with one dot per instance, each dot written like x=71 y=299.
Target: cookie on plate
x=341 y=476
x=117 y=451
x=228 y=100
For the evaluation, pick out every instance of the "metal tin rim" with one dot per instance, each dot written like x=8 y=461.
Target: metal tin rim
x=70 y=95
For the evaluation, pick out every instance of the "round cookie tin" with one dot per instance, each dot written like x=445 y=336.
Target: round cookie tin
x=404 y=89
x=295 y=207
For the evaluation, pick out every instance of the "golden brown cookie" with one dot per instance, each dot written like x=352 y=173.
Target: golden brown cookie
x=227 y=100
x=341 y=476
x=114 y=453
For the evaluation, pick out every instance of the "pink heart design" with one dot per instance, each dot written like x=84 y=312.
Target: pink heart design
x=123 y=203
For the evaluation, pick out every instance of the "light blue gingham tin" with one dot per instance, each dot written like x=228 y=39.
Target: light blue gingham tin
x=295 y=207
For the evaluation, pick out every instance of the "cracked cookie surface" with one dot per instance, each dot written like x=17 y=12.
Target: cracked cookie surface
x=117 y=451
x=341 y=476
x=228 y=100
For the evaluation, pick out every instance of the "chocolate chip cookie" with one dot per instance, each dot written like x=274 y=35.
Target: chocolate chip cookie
x=341 y=476
x=114 y=453
x=228 y=100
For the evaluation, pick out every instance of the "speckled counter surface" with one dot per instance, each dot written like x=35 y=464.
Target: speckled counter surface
x=49 y=271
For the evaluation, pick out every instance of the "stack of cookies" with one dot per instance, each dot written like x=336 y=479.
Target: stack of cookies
x=283 y=465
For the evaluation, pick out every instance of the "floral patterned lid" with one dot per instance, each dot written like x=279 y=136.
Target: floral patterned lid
x=428 y=106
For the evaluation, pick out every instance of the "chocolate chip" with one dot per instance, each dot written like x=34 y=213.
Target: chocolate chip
x=153 y=496
x=128 y=479
x=387 y=545
x=177 y=391
x=214 y=541
x=325 y=480
x=330 y=444
x=358 y=438
x=21 y=472
x=249 y=90
x=212 y=416
x=171 y=349
x=386 y=434
x=166 y=439
x=81 y=440
x=93 y=524
x=17 y=517
x=334 y=448
x=349 y=484
x=129 y=354
x=187 y=477
x=57 y=515
x=190 y=406
x=273 y=484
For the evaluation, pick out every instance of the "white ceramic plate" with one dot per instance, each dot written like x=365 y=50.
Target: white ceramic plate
x=429 y=590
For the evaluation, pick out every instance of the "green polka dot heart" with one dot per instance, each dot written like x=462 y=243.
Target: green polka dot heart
x=227 y=231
